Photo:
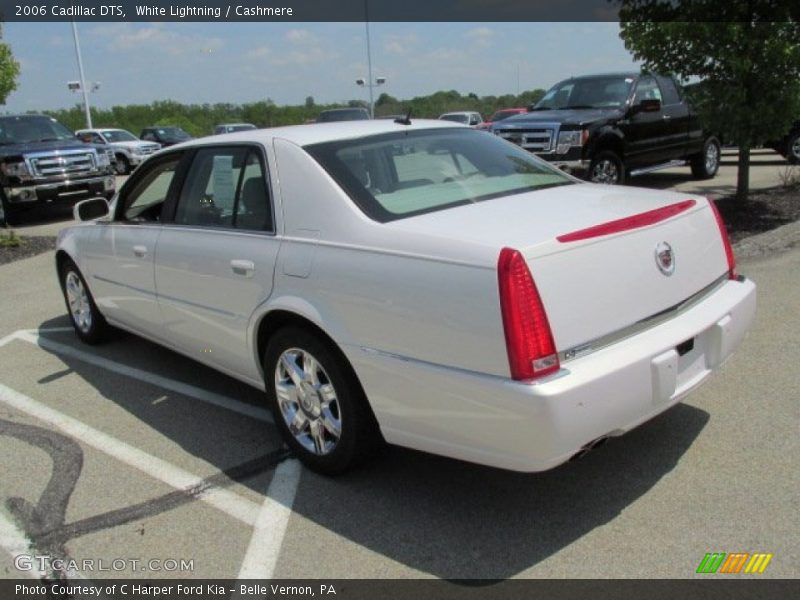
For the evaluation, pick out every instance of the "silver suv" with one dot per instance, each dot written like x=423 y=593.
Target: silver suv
x=129 y=151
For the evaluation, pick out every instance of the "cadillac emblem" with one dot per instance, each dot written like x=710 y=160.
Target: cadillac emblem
x=665 y=258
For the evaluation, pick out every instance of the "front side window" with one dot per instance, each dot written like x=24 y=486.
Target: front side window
x=145 y=200
x=226 y=187
x=647 y=89
x=397 y=175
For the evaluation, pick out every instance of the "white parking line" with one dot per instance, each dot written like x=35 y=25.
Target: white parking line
x=228 y=502
x=14 y=541
x=270 y=527
x=8 y=338
x=163 y=382
x=269 y=521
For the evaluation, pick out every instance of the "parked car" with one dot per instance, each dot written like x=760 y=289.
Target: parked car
x=42 y=163
x=789 y=145
x=343 y=114
x=232 y=127
x=473 y=119
x=129 y=151
x=166 y=136
x=423 y=283
x=501 y=114
x=610 y=127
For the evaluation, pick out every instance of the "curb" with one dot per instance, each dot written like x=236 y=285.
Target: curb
x=784 y=237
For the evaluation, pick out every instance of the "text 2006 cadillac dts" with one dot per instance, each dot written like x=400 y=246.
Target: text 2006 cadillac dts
x=420 y=283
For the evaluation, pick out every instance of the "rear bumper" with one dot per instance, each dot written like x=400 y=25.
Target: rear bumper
x=67 y=190
x=534 y=427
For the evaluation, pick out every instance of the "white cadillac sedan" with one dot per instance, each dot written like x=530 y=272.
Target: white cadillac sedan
x=420 y=283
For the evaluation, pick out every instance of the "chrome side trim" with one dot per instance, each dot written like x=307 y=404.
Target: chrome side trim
x=644 y=324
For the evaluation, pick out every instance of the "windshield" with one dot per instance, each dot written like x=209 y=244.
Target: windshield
x=354 y=114
x=396 y=175
x=172 y=133
x=26 y=129
x=609 y=91
x=456 y=118
x=504 y=114
x=232 y=128
x=119 y=135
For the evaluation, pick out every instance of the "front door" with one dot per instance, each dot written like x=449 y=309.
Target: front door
x=124 y=287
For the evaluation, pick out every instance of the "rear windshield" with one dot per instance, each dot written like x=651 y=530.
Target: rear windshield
x=457 y=118
x=397 y=175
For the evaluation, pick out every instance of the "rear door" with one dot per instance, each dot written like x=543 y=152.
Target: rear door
x=647 y=130
x=216 y=258
x=676 y=116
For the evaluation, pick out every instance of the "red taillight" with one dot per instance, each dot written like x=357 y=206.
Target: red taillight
x=725 y=241
x=529 y=340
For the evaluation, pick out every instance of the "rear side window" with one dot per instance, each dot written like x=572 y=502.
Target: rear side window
x=226 y=187
x=669 y=90
x=397 y=175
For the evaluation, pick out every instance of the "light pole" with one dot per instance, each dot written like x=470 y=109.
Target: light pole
x=370 y=84
x=83 y=79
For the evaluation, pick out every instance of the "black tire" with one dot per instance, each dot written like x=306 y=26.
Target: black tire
x=793 y=148
x=90 y=325
x=123 y=165
x=706 y=163
x=607 y=167
x=331 y=400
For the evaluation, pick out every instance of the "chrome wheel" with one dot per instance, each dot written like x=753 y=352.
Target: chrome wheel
x=712 y=158
x=794 y=149
x=605 y=171
x=78 y=300
x=307 y=401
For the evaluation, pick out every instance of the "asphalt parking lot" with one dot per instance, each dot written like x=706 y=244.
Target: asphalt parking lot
x=128 y=452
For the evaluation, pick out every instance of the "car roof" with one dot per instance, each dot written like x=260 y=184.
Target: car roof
x=461 y=112
x=316 y=133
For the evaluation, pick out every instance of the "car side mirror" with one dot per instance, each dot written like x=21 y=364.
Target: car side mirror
x=91 y=209
x=648 y=105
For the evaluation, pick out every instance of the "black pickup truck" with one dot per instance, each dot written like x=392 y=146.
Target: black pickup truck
x=43 y=163
x=610 y=127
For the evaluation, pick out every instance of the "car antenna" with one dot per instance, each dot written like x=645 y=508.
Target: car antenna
x=404 y=120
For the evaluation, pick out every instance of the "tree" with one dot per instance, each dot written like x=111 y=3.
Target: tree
x=309 y=101
x=9 y=71
x=746 y=53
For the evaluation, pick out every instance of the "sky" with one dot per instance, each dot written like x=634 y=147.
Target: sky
x=138 y=63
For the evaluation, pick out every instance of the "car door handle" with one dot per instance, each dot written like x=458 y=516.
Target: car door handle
x=243 y=267
x=140 y=251
x=666 y=117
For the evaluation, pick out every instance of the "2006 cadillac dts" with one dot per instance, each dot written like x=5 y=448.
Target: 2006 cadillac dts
x=425 y=283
